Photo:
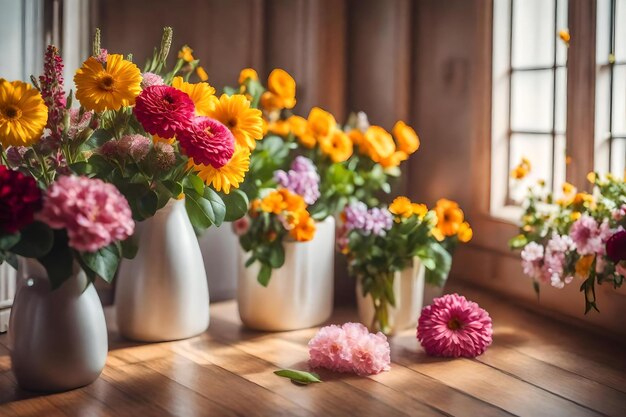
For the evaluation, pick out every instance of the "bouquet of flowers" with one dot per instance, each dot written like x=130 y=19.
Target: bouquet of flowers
x=579 y=235
x=160 y=136
x=46 y=212
x=380 y=241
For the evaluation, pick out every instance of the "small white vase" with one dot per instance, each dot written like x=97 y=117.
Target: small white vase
x=58 y=339
x=299 y=294
x=162 y=293
x=219 y=246
x=408 y=289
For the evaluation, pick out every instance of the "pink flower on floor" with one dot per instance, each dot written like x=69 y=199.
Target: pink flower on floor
x=452 y=326
x=350 y=348
x=94 y=213
x=163 y=110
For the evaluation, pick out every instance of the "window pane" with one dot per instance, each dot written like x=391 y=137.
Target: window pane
x=560 y=156
x=619 y=100
x=533 y=33
x=561 y=24
x=620 y=31
x=538 y=150
x=618 y=157
x=603 y=25
x=561 y=100
x=531 y=100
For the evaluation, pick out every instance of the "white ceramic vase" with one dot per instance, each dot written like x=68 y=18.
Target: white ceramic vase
x=299 y=294
x=219 y=251
x=162 y=293
x=58 y=339
x=408 y=289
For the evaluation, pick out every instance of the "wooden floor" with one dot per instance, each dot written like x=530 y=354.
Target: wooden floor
x=536 y=367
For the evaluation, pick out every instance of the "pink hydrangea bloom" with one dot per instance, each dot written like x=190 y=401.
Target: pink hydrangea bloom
x=207 y=141
x=350 y=348
x=94 y=213
x=163 y=110
x=532 y=260
x=150 y=79
x=452 y=326
x=554 y=260
x=589 y=236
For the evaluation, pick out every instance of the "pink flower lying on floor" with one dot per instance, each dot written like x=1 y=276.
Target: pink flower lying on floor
x=452 y=326
x=350 y=348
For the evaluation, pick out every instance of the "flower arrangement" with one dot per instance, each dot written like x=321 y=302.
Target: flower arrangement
x=350 y=348
x=160 y=136
x=380 y=241
x=577 y=236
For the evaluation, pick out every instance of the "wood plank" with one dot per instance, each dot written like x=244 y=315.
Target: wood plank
x=15 y=402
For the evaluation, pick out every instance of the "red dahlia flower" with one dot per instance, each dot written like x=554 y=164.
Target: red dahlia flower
x=20 y=198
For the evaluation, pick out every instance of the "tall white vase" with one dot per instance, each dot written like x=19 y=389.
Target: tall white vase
x=58 y=339
x=162 y=293
x=408 y=289
x=219 y=246
x=299 y=294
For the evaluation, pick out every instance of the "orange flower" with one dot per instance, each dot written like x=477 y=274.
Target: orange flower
x=283 y=86
x=273 y=203
x=279 y=127
x=356 y=136
x=449 y=217
x=419 y=210
x=465 y=232
x=401 y=206
x=583 y=266
x=303 y=226
x=297 y=124
x=186 y=54
x=247 y=73
x=293 y=202
x=408 y=141
x=201 y=73
x=521 y=170
x=270 y=101
x=394 y=160
x=320 y=123
x=378 y=143
x=338 y=146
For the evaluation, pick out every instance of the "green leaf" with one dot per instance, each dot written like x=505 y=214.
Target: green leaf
x=265 y=273
x=103 y=262
x=198 y=210
x=196 y=183
x=59 y=261
x=8 y=241
x=299 y=377
x=97 y=139
x=236 y=204
x=147 y=204
x=129 y=247
x=442 y=264
x=218 y=208
x=277 y=255
x=36 y=241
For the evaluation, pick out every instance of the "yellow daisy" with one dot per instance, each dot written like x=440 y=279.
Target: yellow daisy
x=245 y=123
x=230 y=175
x=202 y=95
x=107 y=88
x=23 y=114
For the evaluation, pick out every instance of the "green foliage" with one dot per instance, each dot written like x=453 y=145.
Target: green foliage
x=299 y=377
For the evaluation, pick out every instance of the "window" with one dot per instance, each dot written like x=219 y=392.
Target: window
x=610 y=120
x=529 y=95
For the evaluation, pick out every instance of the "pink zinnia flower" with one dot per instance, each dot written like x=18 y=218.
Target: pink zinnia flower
x=207 y=142
x=452 y=326
x=163 y=110
x=94 y=213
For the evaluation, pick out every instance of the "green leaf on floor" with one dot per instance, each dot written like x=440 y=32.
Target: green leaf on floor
x=299 y=377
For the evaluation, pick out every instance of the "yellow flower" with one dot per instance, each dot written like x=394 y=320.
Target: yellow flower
x=565 y=36
x=320 y=123
x=449 y=217
x=273 y=203
x=378 y=143
x=408 y=141
x=247 y=73
x=201 y=73
x=245 y=123
x=293 y=201
x=186 y=54
x=356 y=136
x=109 y=88
x=592 y=177
x=23 y=114
x=279 y=127
x=283 y=86
x=394 y=160
x=568 y=188
x=230 y=175
x=202 y=95
x=465 y=232
x=437 y=234
x=419 y=210
x=401 y=206
x=338 y=146
x=575 y=215
x=297 y=125
x=270 y=101
x=581 y=198
x=303 y=226
x=157 y=138
x=583 y=265
x=521 y=170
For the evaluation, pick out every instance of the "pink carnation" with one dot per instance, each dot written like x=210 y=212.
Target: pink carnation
x=350 y=348
x=208 y=142
x=589 y=236
x=163 y=110
x=452 y=326
x=150 y=79
x=94 y=213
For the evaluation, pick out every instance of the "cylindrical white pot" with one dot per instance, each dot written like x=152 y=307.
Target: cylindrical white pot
x=408 y=289
x=58 y=339
x=299 y=294
x=219 y=246
x=162 y=293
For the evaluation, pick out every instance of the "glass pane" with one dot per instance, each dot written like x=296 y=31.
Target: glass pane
x=561 y=23
x=561 y=99
x=11 y=40
x=619 y=100
x=533 y=33
x=538 y=150
x=620 y=30
x=531 y=100
x=560 y=164
x=618 y=157
x=603 y=32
